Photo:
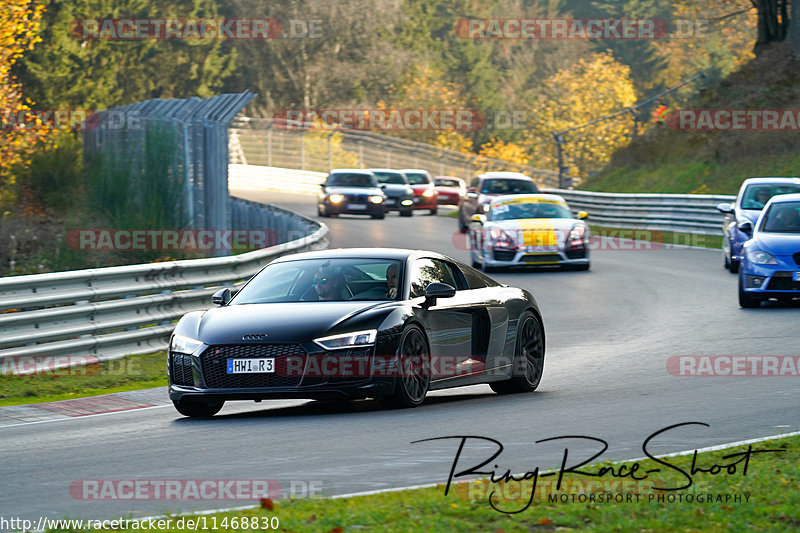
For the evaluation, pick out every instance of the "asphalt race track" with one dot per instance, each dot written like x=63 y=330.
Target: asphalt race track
x=610 y=332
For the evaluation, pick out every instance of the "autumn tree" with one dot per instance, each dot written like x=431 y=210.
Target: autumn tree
x=19 y=32
x=593 y=87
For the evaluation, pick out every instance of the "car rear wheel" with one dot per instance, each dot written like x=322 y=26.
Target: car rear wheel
x=528 y=359
x=745 y=300
x=202 y=408
x=414 y=377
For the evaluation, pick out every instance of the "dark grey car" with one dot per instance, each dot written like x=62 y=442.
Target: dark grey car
x=399 y=194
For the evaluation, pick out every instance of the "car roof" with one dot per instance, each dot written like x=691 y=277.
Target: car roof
x=392 y=170
x=518 y=197
x=505 y=175
x=420 y=170
x=781 y=198
x=363 y=253
x=776 y=179
x=350 y=171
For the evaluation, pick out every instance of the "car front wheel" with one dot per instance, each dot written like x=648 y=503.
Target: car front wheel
x=413 y=379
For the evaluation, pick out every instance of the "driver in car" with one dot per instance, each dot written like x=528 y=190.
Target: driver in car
x=329 y=285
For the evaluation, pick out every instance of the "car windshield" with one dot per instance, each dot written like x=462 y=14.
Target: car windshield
x=351 y=180
x=447 y=183
x=783 y=217
x=390 y=177
x=529 y=210
x=506 y=186
x=315 y=280
x=417 y=178
x=757 y=195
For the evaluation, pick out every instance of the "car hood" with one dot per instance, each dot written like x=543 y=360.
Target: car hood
x=750 y=215
x=395 y=189
x=785 y=244
x=536 y=231
x=353 y=190
x=280 y=322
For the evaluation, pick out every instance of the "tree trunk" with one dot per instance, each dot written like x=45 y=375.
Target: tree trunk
x=773 y=23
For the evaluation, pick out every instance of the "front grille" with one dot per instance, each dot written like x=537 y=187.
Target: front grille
x=797 y=258
x=289 y=364
x=782 y=281
x=542 y=258
x=576 y=254
x=356 y=198
x=338 y=366
x=504 y=255
x=182 y=369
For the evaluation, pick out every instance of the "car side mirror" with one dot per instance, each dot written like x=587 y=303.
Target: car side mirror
x=322 y=185
x=221 y=297
x=725 y=208
x=437 y=290
x=480 y=219
x=583 y=215
x=746 y=227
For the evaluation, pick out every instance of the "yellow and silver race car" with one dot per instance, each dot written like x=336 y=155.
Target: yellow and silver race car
x=529 y=230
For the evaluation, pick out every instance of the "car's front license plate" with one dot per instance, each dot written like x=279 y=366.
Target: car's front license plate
x=541 y=249
x=251 y=366
x=795 y=276
x=357 y=206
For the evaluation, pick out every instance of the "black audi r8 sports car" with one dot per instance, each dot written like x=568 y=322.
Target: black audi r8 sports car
x=388 y=324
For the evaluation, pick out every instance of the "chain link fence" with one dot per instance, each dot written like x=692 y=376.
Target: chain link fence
x=294 y=145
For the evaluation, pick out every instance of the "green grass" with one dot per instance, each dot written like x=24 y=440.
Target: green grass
x=133 y=372
x=771 y=483
x=666 y=237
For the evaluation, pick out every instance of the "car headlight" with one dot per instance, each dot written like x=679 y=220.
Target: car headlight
x=407 y=202
x=376 y=199
x=577 y=236
x=761 y=258
x=348 y=340
x=183 y=344
x=335 y=198
x=428 y=193
x=485 y=208
x=501 y=239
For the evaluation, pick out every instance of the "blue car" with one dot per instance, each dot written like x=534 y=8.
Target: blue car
x=770 y=264
x=753 y=196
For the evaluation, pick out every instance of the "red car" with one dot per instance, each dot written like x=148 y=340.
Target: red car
x=424 y=190
x=449 y=189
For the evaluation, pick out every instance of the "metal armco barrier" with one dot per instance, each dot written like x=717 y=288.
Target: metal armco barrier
x=685 y=213
x=259 y=178
x=115 y=311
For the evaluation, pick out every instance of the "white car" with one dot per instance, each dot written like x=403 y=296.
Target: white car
x=529 y=230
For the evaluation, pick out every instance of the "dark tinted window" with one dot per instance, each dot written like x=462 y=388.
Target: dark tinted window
x=505 y=186
x=529 y=210
x=390 y=177
x=427 y=271
x=351 y=180
x=783 y=217
x=475 y=279
x=758 y=194
x=415 y=178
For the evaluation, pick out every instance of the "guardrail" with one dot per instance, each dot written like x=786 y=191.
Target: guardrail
x=260 y=178
x=686 y=213
x=114 y=311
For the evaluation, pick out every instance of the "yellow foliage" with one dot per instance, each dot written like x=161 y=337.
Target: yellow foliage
x=19 y=31
x=506 y=151
x=323 y=150
x=593 y=87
